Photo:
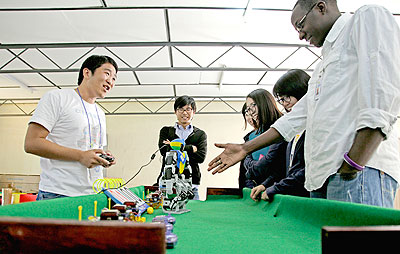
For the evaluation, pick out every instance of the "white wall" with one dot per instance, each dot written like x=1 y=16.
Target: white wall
x=132 y=139
x=12 y=156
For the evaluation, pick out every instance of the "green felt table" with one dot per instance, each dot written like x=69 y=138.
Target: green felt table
x=232 y=224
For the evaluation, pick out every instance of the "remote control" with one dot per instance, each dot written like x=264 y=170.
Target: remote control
x=107 y=157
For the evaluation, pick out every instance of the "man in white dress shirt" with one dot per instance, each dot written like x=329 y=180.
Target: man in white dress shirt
x=350 y=109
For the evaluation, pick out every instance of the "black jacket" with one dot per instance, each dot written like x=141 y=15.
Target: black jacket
x=293 y=183
x=197 y=138
x=270 y=168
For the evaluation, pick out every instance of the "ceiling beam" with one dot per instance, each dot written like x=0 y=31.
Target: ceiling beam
x=148 y=44
x=103 y=3
x=265 y=69
x=110 y=8
x=102 y=8
x=168 y=33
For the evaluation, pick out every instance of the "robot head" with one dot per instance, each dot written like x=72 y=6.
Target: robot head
x=177 y=144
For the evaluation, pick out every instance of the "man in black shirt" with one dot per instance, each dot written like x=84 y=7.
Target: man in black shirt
x=195 y=138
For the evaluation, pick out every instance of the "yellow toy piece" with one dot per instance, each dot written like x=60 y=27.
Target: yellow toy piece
x=150 y=210
x=182 y=162
x=80 y=213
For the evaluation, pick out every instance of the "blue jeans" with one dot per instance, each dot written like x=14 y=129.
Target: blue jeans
x=42 y=195
x=371 y=187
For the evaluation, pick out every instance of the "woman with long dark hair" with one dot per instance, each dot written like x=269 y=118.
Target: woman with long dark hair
x=262 y=108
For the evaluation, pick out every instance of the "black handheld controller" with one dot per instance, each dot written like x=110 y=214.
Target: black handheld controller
x=107 y=157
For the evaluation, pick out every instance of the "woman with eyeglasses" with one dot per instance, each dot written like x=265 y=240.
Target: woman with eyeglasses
x=263 y=112
x=288 y=90
x=195 y=138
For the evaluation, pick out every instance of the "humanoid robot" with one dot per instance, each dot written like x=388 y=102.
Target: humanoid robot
x=176 y=180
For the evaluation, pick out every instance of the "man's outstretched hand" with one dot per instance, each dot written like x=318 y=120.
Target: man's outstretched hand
x=232 y=154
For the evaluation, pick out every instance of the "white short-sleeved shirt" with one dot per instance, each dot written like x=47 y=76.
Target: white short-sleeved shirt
x=62 y=113
x=356 y=85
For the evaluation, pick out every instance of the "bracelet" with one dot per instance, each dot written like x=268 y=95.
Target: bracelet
x=352 y=163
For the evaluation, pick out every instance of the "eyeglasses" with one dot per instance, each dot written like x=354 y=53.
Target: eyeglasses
x=188 y=110
x=299 y=26
x=284 y=99
x=250 y=109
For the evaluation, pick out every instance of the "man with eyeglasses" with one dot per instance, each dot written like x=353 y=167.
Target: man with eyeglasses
x=351 y=106
x=284 y=99
x=195 y=138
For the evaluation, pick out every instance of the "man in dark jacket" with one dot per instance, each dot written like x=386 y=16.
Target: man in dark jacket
x=195 y=138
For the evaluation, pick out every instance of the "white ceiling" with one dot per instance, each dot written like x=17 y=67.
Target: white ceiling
x=164 y=48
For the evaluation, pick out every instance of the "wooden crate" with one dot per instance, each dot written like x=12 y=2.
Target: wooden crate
x=33 y=235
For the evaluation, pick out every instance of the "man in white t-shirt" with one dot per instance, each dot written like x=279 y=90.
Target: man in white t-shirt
x=68 y=132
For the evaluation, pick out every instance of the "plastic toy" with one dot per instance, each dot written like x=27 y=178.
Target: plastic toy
x=171 y=239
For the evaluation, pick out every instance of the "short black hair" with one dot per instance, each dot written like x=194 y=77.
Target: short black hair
x=93 y=62
x=184 y=100
x=292 y=83
x=307 y=4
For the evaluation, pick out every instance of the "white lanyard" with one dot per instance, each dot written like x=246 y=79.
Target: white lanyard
x=87 y=116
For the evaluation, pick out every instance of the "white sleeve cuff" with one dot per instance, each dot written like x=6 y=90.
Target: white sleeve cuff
x=283 y=127
x=376 y=118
